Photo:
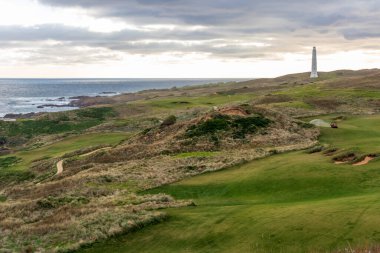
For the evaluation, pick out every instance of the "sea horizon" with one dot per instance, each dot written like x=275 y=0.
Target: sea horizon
x=34 y=95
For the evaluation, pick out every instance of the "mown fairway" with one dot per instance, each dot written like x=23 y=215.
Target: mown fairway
x=70 y=144
x=294 y=202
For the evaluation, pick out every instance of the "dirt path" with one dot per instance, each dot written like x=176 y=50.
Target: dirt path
x=366 y=160
x=60 y=163
x=59 y=167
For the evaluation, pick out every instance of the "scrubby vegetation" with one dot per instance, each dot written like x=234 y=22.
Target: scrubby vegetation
x=30 y=128
x=20 y=131
x=7 y=162
x=117 y=178
x=3 y=140
x=315 y=149
x=170 y=120
x=54 y=202
x=3 y=198
x=282 y=203
x=240 y=126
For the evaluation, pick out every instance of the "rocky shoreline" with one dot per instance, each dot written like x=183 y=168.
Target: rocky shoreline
x=73 y=103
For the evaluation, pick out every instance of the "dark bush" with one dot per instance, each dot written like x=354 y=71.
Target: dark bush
x=210 y=126
x=145 y=131
x=3 y=140
x=305 y=125
x=240 y=126
x=171 y=120
x=249 y=125
x=54 y=202
x=8 y=161
x=315 y=149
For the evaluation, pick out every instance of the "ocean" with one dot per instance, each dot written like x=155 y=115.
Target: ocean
x=30 y=95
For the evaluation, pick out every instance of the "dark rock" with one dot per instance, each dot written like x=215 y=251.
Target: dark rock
x=53 y=105
x=21 y=116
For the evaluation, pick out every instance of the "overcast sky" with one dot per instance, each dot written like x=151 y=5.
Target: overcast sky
x=185 y=38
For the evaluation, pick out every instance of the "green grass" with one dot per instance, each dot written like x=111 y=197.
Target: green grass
x=70 y=144
x=3 y=198
x=200 y=101
x=85 y=118
x=320 y=90
x=6 y=162
x=358 y=132
x=293 y=202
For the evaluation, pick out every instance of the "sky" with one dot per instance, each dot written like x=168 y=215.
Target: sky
x=185 y=38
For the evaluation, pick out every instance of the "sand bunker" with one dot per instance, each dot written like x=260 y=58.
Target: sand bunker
x=366 y=160
x=59 y=167
x=319 y=123
x=234 y=112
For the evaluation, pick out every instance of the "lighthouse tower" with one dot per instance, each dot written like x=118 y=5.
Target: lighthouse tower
x=314 y=72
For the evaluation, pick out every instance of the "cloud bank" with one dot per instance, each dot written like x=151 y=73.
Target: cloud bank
x=220 y=29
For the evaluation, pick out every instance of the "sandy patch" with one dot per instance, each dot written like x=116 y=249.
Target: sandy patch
x=319 y=123
x=59 y=167
x=366 y=160
x=234 y=112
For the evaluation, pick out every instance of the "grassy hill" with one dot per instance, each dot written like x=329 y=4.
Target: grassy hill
x=293 y=202
x=237 y=168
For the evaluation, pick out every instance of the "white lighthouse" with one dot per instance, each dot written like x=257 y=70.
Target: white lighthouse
x=314 y=71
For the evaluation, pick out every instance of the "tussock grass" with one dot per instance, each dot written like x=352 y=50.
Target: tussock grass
x=265 y=205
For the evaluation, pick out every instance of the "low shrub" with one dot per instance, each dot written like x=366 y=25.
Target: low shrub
x=3 y=198
x=305 y=124
x=146 y=131
x=7 y=162
x=54 y=202
x=171 y=120
x=348 y=156
x=330 y=151
x=315 y=149
x=3 y=140
x=211 y=126
x=240 y=126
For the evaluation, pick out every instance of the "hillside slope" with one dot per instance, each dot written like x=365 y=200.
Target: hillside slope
x=113 y=150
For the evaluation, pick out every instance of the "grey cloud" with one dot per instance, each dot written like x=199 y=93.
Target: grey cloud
x=293 y=26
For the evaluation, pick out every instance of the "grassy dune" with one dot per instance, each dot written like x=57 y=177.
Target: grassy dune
x=294 y=202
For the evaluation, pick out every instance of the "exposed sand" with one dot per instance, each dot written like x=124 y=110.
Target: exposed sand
x=319 y=123
x=59 y=167
x=234 y=112
x=60 y=163
x=366 y=160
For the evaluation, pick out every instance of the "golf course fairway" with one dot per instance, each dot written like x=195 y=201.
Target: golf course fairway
x=292 y=202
